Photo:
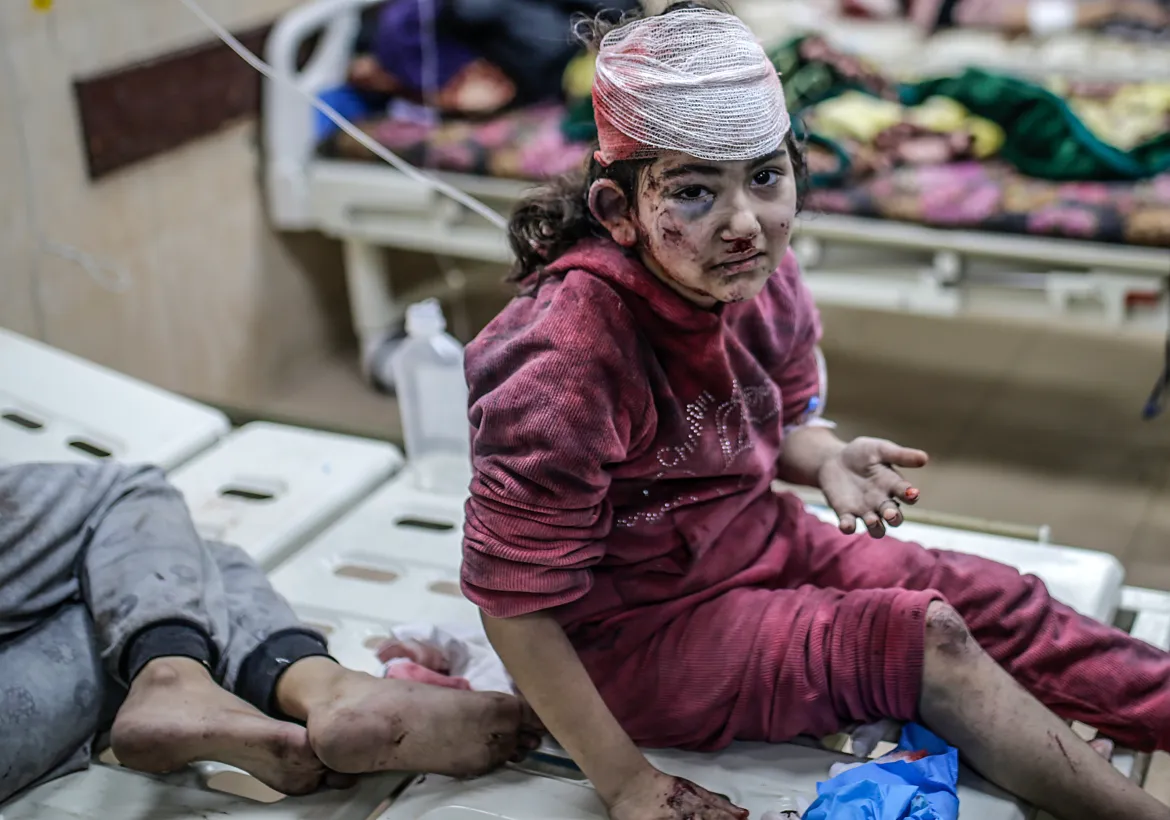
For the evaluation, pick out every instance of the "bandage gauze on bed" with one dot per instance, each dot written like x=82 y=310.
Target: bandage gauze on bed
x=695 y=81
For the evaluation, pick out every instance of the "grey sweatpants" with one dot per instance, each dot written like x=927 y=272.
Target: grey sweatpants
x=89 y=556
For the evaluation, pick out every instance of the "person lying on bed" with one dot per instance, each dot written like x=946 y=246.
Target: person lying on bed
x=1040 y=17
x=104 y=585
x=630 y=410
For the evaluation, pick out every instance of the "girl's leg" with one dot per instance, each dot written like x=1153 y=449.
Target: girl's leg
x=1011 y=738
x=1078 y=667
x=761 y=665
x=756 y=664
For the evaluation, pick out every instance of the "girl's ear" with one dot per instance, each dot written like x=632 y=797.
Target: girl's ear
x=608 y=204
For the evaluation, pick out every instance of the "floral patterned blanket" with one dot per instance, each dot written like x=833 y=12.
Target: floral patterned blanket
x=529 y=144
x=991 y=196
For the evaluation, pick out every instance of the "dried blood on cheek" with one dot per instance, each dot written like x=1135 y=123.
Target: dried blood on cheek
x=784 y=230
x=665 y=226
x=670 y=241
x=673 y=235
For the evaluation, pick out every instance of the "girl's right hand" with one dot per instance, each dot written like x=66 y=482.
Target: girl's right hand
x=654 y=795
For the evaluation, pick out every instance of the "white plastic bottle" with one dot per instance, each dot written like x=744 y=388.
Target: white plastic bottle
x=432 y=399
x=785 y=809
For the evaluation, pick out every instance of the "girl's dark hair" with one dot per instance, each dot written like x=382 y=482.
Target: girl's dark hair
x=553 y=218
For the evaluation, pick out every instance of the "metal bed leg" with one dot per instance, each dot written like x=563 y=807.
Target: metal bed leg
x=372 y=304
x=809 y=250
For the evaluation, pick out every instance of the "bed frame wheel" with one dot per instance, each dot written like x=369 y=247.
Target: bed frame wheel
x=449 y=213
x=809 y=251
x=948 y=266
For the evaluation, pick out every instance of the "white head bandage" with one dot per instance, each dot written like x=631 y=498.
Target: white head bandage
x=693 y=80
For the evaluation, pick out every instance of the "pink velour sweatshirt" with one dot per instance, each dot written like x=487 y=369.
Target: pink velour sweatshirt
x=624 y=439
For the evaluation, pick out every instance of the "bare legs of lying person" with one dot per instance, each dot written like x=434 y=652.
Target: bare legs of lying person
x=176 y=714
x=202 y=641
x=358 y=723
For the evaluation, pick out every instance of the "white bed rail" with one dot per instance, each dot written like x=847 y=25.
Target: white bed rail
x=289 y=139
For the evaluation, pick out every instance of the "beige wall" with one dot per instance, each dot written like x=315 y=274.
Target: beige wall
x=217 y=306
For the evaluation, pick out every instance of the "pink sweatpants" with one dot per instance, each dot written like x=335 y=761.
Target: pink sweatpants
x=837 y=638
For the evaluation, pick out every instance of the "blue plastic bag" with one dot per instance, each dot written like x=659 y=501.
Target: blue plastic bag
x=924 y=789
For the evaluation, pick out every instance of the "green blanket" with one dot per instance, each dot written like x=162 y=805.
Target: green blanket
x=1044 y=138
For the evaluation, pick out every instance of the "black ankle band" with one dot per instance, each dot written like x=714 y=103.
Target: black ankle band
x=262 y=669
x=167 y=639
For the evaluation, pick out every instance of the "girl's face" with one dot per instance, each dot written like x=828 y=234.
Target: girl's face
x=713 y=231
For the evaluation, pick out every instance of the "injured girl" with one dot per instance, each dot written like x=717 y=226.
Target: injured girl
x=631 y=409
x=105 y=585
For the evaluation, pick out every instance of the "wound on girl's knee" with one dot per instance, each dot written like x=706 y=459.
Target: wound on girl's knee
x=946 y=630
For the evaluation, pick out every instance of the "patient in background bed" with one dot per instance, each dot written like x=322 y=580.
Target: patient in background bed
x=1045 y=17
x=115 y=615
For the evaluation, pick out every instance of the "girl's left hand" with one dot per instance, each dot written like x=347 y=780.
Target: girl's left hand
x=862 y=481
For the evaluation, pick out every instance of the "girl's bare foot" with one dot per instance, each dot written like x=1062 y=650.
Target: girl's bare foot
x=358 y=723
x=175 y=714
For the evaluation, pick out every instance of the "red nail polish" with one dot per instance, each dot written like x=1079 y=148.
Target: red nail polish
x=912 y=493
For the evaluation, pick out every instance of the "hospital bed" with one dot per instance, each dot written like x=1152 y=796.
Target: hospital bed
x=356 y=547
x=899 y=46
x=58 y=407
x=859 y=261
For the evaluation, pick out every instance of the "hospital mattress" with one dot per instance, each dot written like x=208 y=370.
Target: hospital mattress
x=754 y=776
x=1088 y=581
x=111 y=793
x=353 y=641
x=58 y=407
x=992 y=196
x=394 y=558
x=269 y=488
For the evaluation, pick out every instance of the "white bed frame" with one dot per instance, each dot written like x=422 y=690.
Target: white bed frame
x=862 y=262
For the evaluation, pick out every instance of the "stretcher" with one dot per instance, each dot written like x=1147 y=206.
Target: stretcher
x=57 y=407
